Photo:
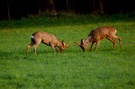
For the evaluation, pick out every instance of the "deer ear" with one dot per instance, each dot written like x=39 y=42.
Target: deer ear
x=82 y=41
x=63 y=43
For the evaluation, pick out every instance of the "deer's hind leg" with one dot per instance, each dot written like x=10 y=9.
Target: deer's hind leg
x=30 y=45
x=112 y=40
x=119 y=38
x=37 y=42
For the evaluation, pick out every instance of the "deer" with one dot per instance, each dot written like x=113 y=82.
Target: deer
x=48 y=39
x=96 y=35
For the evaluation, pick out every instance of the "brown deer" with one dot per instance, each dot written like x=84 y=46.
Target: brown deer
x=48 y=39
x=98 y=34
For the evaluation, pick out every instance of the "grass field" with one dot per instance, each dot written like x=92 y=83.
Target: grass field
x=105 y=68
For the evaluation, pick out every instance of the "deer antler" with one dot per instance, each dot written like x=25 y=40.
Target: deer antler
x=67 y=46
x=77 y=44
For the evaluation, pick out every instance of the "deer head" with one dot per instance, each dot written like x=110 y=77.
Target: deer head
x=83 y=45
x=63 y=46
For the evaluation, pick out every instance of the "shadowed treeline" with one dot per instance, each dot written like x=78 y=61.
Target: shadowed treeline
x=65 y=20
x=17 y=9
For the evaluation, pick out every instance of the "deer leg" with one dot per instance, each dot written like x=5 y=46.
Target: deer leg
x=29 y=46
x=113 y=41
x=54 y=49
x=36 y=45
x=119 y=38
x=97 y=43
x=92 y=45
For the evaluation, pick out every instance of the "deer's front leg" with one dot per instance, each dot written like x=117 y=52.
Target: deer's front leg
x=97 y=43
x=92 y=45
x=52 y=45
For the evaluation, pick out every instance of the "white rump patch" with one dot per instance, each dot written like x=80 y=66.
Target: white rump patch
x=115 y=30
x=32 y=36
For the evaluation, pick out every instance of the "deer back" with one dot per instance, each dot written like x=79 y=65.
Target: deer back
x=46 y=38
x=102 y=32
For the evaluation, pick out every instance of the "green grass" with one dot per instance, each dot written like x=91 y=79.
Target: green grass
x=105 y=68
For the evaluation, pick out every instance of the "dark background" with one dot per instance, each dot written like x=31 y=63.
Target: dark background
x=17 y=9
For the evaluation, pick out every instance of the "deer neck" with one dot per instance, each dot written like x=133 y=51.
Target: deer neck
x=59 y=44
x=87 y=41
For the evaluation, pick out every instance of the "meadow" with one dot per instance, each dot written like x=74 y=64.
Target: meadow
x=105 y=68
